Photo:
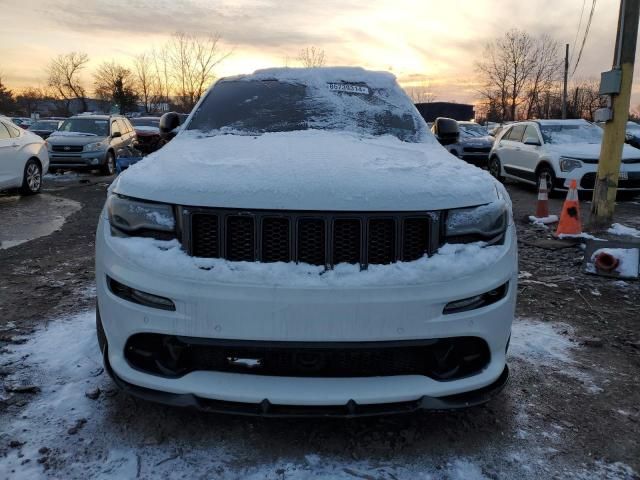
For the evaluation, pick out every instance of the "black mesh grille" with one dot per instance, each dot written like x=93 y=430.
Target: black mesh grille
x=66 y=148
x=205 y=229
x=346 y=241
x=240 y=239
x=381 y=241
x=275 y=240
x=375 y=238
x=415 y=238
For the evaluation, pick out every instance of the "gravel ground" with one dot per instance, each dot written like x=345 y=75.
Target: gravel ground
x=571 y=409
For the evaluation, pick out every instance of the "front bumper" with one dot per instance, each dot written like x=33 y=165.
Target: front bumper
x=77 y=160
x=271 y=313
x=586 y=177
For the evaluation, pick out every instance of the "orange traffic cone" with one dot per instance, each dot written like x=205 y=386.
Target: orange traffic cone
x=570 y=217
x=542 y=209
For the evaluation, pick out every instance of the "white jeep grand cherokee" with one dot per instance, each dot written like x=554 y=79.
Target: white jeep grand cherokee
x=305 y=246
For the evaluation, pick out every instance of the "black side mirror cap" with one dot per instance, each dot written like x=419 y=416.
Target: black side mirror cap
x=169 y=122
x=446 y=130
x=116 y=134
x=535 y=143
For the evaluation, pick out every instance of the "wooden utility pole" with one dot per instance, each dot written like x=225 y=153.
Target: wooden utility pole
x=564 y=85
x=604 y=195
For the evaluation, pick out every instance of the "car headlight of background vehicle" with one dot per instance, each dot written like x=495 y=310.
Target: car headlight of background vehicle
x=130 y=217
x=486 y=223
x=567 y=164
x=92 y=147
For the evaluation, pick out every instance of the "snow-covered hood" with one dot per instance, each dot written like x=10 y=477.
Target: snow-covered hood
x=484 y=141
x=310 y=170
x=589 y=151
x=147 y=130
x=69 y=138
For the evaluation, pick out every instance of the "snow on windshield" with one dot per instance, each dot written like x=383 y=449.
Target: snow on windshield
x=571 y=133
x=470 y=130
x=282 y=100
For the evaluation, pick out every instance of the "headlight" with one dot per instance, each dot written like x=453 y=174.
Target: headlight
x=486 y=223
x=91 y=147
x=567 y=164
x=129 y=217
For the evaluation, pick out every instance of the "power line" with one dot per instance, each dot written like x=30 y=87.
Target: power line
x=573 y=47
x=586 y=34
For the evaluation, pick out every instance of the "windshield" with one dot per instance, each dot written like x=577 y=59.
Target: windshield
x=261 y=106
x=44 y=125
x=576 y=133
x=88 y=126
x=145 y=122
x=633 y=126
x=472 y=130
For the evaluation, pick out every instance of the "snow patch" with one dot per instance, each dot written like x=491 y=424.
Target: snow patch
x=543 y=220
x=623 y=230
x=628 y=258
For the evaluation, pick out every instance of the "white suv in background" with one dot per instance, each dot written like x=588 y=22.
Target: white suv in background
x=557 y=150
x=305 y=246
x=23 y=158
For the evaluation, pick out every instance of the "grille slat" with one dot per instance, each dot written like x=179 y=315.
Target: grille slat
x=326 y=238
x=276 y=242
x=415 y=239
x=311 y=241
x=240 y=239
x=381 y=244
x=346 y=241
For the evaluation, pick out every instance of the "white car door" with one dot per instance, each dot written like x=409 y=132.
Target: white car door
x=510 y=146
x=9 y=147
x=528 y=154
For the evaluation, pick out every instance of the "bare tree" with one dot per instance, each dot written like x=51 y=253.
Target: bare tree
x=585 y=99
x=162 y=73
x=7 y=103
x=546 y=71
x=421 y=93
x=31 y=100
x=509 y=66
x=146 y=81
x=311 y=57
x=64 y=77
x=192 y=60
x=115 y=83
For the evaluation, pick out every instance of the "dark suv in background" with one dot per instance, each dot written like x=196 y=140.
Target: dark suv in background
x=87 y=142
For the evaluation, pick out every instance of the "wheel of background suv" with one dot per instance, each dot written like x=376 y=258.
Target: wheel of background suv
x=109 y=168
x=547 y=173
x=495 y=168
x=32 y=179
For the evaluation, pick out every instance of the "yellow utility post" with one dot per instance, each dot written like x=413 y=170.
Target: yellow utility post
x=604 y=195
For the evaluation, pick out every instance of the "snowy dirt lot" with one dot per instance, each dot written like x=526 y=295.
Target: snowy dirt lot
x=571 y=409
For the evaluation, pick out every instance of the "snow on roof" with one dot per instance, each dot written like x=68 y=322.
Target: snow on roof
x=577 y=121
x=322 y=75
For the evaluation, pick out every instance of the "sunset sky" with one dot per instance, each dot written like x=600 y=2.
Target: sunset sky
x=416 y=40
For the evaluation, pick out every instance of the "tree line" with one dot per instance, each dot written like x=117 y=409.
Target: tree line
x=522 y=78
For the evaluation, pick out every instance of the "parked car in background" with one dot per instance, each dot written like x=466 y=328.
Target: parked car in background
x=473 y=145
x=557 y=150
x=44 y=127
x=633 y=134
x=22 y=122
x=148 y=133
x=87 y=142
x=304 y=246
x=23 y=158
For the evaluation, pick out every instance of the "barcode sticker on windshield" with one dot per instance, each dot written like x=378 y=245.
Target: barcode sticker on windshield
x=347 y=87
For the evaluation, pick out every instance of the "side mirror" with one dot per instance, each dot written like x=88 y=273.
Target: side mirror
x=446 y=130
x=531 y=141
x=169 y=122
x=116 y=135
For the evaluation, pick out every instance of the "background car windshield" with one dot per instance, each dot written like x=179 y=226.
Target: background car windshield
x=633 y=126
x=559 y=134
x=145 y=122
x=255 y=107
x=44 y=125
x=86 y=125
x=471 y=130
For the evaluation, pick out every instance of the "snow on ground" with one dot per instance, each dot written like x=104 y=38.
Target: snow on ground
x=63 y=433
x=543 y=220
x=628 y=260
x=623 y=230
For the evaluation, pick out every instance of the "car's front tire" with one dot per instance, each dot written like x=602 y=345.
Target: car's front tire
x=109 y=167
x=32 y=178
x=495 y=168
x=547 y=173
